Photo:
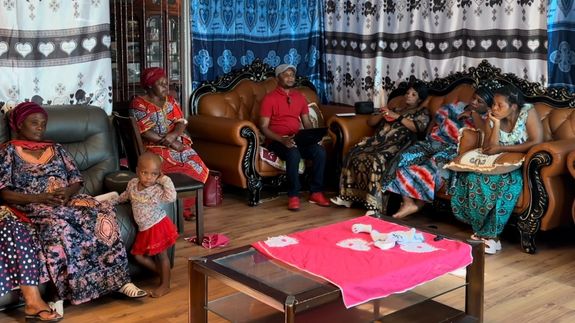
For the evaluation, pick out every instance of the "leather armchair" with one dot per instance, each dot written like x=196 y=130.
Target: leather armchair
x=223 y=124
x=87 y=134
x=545 y=202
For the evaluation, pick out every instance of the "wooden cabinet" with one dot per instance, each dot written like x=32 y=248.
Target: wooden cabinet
x=145 y=33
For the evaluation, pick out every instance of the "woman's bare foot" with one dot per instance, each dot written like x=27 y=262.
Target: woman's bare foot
x=408 y=207
x=41 y=313
x=406 y=210
x=36 y=307
x=160 y=291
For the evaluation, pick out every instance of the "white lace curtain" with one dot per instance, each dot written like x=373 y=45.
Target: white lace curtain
x=55 y=52
x=372 y=45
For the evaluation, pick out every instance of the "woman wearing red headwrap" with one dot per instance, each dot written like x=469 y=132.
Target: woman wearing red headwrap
x=162 y=125
x=79 y=236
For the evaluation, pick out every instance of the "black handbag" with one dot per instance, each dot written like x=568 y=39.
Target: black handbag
x=364 y=107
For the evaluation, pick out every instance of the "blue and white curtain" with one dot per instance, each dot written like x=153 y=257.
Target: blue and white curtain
x=561 y=34
x=229 y=34
x=55 y=52
x=372 y=45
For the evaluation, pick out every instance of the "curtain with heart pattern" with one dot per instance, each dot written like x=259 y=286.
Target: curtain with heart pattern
x=372 y=45
x=55 y=52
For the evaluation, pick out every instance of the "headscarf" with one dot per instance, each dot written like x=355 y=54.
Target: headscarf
x=151 y=75
x=23 y=110
x=485 y=91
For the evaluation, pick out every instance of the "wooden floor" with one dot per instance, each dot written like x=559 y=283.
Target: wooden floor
x=518 y=287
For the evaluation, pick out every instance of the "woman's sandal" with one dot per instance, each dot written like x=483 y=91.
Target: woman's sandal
x=30 y=318
x=132 y=291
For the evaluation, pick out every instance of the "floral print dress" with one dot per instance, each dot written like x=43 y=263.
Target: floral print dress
x=364 y=176
x=162 y=120
x=85 y=257
x=487 y=201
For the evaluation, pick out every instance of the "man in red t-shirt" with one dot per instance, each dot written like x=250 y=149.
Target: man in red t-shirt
x=280 y=114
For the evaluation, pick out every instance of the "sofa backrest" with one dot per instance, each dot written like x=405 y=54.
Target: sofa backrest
x=86 y=133
x=555 y=107
x=238 y=94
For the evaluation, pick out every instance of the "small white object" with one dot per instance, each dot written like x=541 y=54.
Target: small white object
x=359 y=228
x=348 y=114
x=385 y=244
x=57 y=306
x=106 y=196
x=378 y=236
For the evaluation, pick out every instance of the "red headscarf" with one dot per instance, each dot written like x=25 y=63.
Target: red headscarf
x=23 y=110
x=151 y=75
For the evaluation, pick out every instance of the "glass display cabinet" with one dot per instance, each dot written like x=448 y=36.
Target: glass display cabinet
x=145 y=33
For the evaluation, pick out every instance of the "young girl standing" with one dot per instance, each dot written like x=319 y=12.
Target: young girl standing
x=156 y=232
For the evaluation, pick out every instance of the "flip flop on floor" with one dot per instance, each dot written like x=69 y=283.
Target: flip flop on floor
x=132 y=291
x=30 y=318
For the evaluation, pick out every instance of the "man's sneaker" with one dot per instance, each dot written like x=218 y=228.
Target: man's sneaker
x=339 y=201
x=293 y=203
x=319 y=199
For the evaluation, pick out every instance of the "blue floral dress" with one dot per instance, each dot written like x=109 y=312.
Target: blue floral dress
x=81 y=242
x=420 y=170
x=487 y=201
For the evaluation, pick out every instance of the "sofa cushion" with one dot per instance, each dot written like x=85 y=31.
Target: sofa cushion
x=475 y=161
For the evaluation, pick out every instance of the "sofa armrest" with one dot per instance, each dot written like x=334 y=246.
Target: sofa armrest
x=221 y=130
x=118 y=181
x=558 y=151
x=349 y=131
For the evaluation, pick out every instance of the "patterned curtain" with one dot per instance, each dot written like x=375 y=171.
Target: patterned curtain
x=229 y=34
x=561 y=33
x=372 y=45
x=55 y=52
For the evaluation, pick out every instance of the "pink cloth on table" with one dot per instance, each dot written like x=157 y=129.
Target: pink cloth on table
x=367 y=272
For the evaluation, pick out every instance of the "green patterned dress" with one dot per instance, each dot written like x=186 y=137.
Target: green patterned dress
x=487 y=201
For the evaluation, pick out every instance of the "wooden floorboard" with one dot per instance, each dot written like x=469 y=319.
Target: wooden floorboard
x=518 y=287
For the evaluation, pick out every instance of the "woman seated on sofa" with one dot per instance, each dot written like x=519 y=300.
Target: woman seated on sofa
x=363 y=176
x=22 y=265
x=486 y=201
x=420 y=167
x=79 y=236
x=162 y=125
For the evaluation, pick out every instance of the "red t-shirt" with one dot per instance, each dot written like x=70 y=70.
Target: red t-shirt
x=284 y=111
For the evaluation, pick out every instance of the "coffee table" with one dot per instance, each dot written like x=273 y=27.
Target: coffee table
x=270 y=291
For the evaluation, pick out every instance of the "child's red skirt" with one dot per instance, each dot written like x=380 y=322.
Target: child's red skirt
x=156 y=239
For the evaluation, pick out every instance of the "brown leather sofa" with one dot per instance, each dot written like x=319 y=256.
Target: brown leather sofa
x=223 y=124
x=545 y=202
x=87 y=134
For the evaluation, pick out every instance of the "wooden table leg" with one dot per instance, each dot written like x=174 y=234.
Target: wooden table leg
x=474 y=292
x=198 y=296
x=200 y=215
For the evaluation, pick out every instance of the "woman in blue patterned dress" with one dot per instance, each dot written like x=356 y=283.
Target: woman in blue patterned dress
x=486 y=201
x=420 y=167
x=78 y=235
x=22 y=265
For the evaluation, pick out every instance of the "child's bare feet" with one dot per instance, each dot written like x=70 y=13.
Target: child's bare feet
x=160 y=291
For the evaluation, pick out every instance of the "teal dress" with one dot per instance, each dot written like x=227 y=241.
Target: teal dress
x=487 y=201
